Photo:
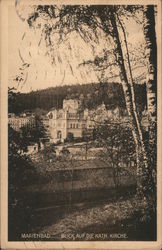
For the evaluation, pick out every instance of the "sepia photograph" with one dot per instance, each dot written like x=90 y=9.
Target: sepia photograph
x=81 y=122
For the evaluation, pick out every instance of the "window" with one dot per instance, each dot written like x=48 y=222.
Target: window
x=77 y=125
x=59 y=135
x=74 y=125
x=50 y=116
x=71 y=125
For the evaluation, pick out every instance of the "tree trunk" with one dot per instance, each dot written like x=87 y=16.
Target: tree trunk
x=141 y=156
x=151 y=83
x=131 y=82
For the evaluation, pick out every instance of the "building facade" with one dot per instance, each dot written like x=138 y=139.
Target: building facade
x=17 y=122
x=68 y=121
x=72 y=120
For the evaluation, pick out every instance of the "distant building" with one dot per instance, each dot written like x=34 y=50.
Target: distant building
x=17 y=122
x=65 y=121
x=71 y=121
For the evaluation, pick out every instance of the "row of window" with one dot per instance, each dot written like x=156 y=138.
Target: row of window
x=17 y=126
x=73 y=125
x=20 y=123
x=24 y=121
x=76 y=125
x=19 y=120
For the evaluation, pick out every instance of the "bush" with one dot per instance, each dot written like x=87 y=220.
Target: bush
x=65 y=151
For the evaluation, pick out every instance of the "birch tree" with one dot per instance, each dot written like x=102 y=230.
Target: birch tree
x=151 y=81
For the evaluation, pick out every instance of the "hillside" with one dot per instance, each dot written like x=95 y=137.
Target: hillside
x=91 y=95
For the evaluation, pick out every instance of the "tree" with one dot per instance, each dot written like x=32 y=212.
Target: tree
x=14 y=140
x=70 y=137
x=19 y=165
x=151 y=82
x=115 y=137
x=128 y=88
x=21 y=172
x=111 y=28
x=33 y=134
x=14 y=106
x=49 y=153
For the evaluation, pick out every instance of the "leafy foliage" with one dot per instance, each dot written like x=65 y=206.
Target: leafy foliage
x=34 y=134
x=20 y=168
x=21 y=172
x=116 y=139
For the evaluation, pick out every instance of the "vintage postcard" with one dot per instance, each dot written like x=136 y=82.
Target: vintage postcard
x=80 y=124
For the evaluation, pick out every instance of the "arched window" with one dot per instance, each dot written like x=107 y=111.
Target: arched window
x=50 y=115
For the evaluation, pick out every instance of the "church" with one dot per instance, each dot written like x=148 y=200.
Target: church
x=69 y=120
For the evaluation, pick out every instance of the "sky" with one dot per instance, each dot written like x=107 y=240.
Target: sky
x=23 y=48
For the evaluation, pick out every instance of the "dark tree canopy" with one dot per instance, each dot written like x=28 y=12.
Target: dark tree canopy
x=109 y=93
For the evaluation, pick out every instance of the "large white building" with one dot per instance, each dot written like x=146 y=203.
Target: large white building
x=68 y=120
x=71 y=120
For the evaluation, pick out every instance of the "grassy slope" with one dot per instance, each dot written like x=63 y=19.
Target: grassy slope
x=123 y=216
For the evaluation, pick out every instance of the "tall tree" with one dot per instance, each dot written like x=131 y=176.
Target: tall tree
x=151 y=81
x=128 y=89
